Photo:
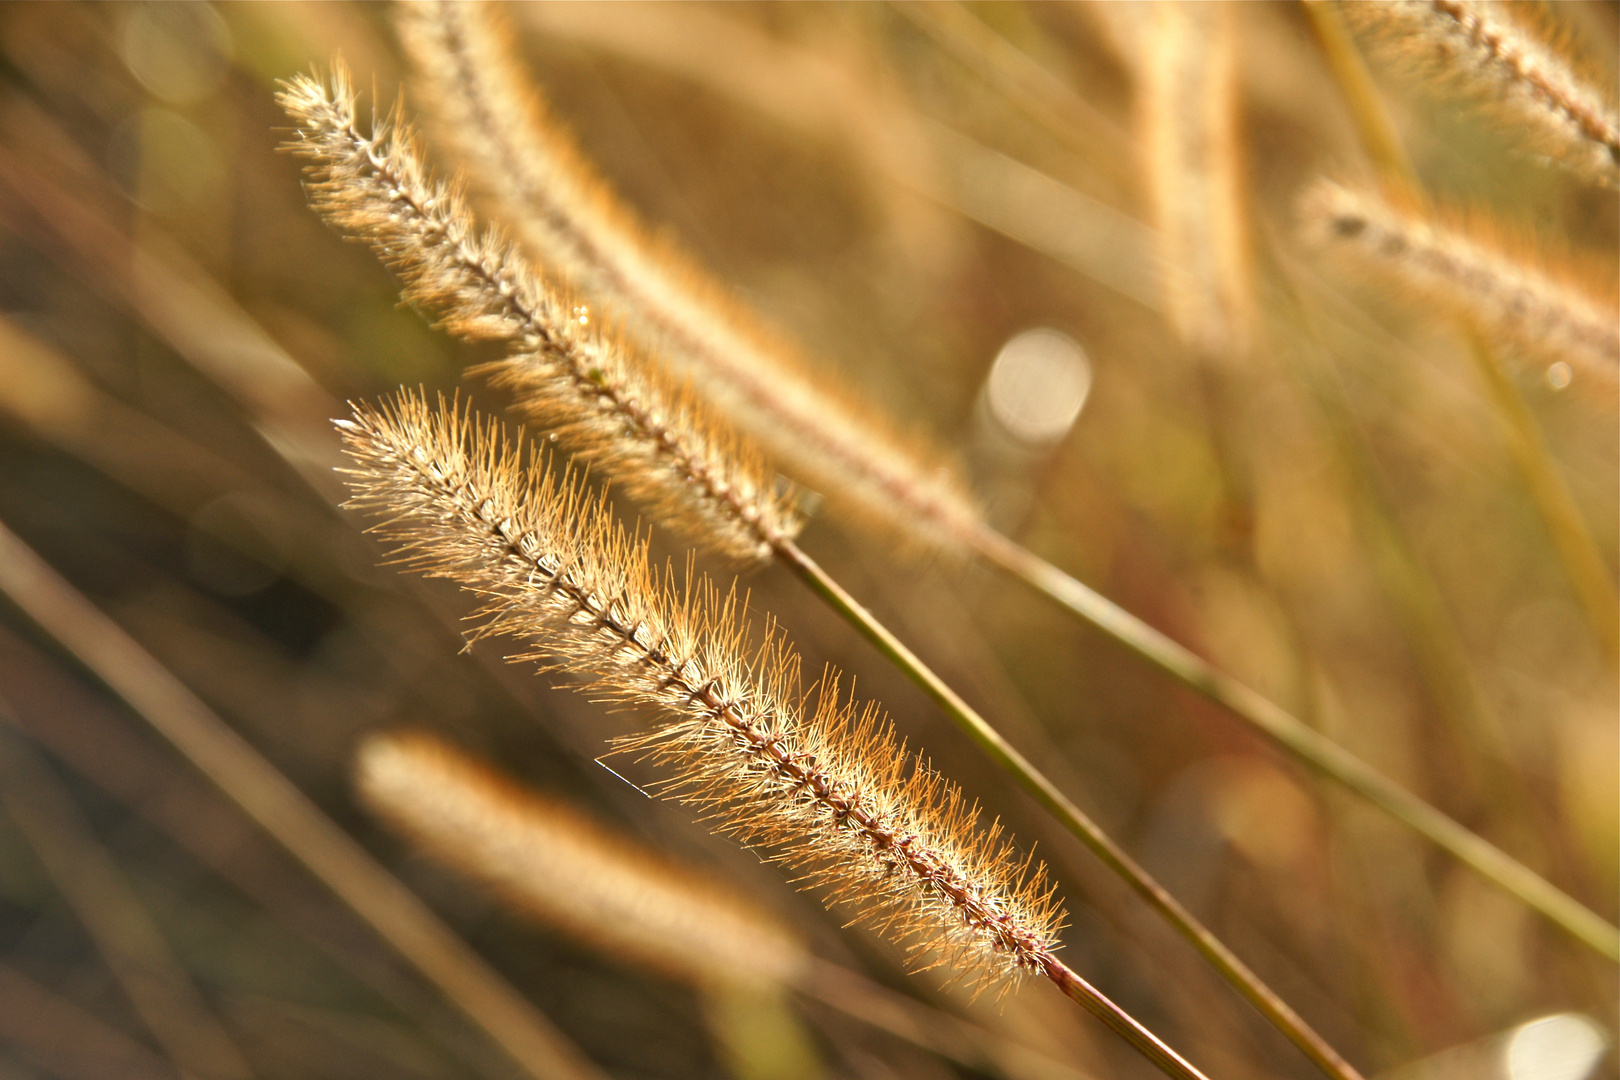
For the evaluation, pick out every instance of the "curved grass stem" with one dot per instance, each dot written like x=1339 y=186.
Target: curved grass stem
x=1572 y=541
x=1305 y=744
x=1262 y=997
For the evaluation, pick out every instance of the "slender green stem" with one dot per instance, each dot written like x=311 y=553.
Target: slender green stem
x=1377 y=130
x=1571 y=538
x=1121 y=1022
x=1072 y=818
x=1306 y=744
x=1583 y=564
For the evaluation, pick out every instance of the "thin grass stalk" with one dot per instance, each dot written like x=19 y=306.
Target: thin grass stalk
x=133 y=947
x=287 y=814
x=825 y=785
x=1572 y=540
x=1071 y=817
x=1584 y=566
x=1193 y=171
x=1309 y=746
x=1373 y=123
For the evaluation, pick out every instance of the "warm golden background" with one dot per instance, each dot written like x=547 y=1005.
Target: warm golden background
x=1332 y=514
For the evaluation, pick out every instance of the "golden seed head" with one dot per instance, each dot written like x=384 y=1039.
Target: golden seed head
x=655 y=440
x=548 y=859
x=490 y=116
x=820 y=780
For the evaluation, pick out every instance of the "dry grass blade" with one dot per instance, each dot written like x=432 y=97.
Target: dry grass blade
x=71 y=1043
x=286 y=813
x=489 y=113
x=135 y=949
x=1486 y=53
x=664 y=447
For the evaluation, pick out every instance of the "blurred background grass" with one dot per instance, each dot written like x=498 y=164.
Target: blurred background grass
x=1335 y=519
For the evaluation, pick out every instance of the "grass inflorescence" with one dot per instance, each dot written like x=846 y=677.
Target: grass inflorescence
x=819 y=779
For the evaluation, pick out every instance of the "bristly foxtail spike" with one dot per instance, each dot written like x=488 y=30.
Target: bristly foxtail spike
x=1541 y=311
x=814 y=781
x=654 y=440
x=488 y=114
x=1492 y=54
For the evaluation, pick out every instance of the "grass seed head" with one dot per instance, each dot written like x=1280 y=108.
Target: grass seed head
x=655 y=440
x=820 y=781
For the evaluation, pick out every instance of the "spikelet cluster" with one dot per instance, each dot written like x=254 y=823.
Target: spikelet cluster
x=1485 y=52
x=491 y=117
x=821 y=781
x=1509 y=298
x=1189 y=133
x=548 y=859
x=664 y=448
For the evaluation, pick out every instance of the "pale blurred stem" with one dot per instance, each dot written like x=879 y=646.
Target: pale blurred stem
x=1305 y=744
x=1272 y=1007
x=1372 y=120
x=1583 y=563
x=1587 y=571
x=284 y=812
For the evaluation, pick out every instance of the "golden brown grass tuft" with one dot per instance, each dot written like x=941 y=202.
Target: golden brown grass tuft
x=549 y=859
x=665 y=449
x=821 y=780
x=489 y=115
x=1486 y=52
x=1509 y=297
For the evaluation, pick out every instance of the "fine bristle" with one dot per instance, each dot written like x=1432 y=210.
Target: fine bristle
x=823 y=783
x=549 y=860
x=1509 y=297
x=656 y=441
x=1189 y=133
x=490 y=115
x=1484 y=52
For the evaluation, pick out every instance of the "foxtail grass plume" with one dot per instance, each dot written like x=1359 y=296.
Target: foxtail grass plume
x=491 y=117
x=1486 y=52
x=547 y=858
x=662 y=446
x=1189 y=132
x=820 y=780
x=1508 y=297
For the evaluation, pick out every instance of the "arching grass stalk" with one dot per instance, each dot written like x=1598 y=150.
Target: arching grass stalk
x=1491 y=52
x=1231 y=968
x=1305 y=744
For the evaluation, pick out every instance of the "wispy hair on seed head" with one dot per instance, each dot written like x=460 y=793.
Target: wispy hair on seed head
x=1488 y=53
x=1541 y=313
x=820 y=781
x=490 y=115
x=663 y=447
x=548 y=859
